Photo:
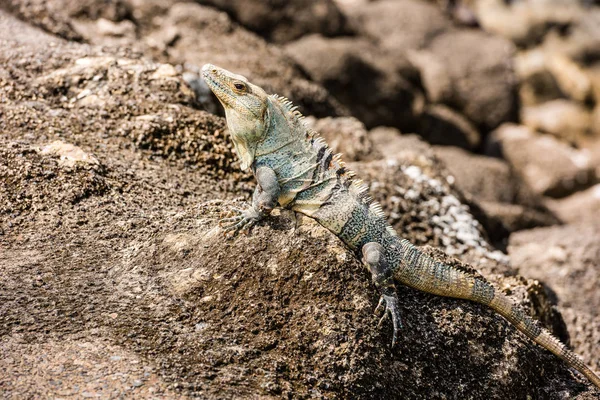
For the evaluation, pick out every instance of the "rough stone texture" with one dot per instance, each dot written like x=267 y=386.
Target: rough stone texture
x=548 y=166
x=468 y=70
x=362 y=77
x=132 y=282
x=192 y=34
x=282 y=21
x=195 y=34
x=566 y=258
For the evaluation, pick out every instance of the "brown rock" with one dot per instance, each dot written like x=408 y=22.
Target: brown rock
x=195 y=34
x=471 y=72
x=393 y=145
x=140 y=269
x=525 y=23
x=565 y=258
x=439 y=124
x=564 y=119
x=536 y=83
x=548 y=166
x=401 y=25
x=361 y=77
x=579 y=207
x=491 y=184
x=284 y=21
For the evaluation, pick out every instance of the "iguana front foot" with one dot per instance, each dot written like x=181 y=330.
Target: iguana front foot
x=242 y=221
x=374 y=257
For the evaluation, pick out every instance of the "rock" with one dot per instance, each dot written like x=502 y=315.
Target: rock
x=345 y=135
x=584 y=332
x=400 y=182
x=68 y=154
x=471 y=72
x=195 y=34
x=537 y=83
x=507 y=202
x=399 y=26
x=548 y=166
x=361 y=77
x=578 y=207
x=442 y=125
x=285 y=21
x=565 y=258
x=44 y=14
x=140 y=270
x=105 y=32
x=526 y=23
x=564 y=119
x=392 y=144
x=487 y=178
x=570 y=77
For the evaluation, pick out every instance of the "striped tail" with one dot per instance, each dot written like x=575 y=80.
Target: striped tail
x=422 y=272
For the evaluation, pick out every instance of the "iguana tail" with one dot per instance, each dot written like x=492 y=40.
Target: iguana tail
x=424 y=273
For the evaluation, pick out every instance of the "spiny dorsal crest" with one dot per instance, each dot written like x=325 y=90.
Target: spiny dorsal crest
x=319 y=144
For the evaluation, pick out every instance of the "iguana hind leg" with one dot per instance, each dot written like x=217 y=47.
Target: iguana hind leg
x=373 y=256
x=264 y=200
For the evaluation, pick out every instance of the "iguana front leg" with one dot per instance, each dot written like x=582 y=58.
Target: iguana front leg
x=264 y=200
x=382 y=274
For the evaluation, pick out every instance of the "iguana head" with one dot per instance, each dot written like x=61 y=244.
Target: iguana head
x=246 y=108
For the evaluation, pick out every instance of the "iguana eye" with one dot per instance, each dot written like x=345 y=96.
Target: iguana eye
x=239 y=86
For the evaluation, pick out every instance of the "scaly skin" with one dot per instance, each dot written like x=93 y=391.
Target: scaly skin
x=295 y=169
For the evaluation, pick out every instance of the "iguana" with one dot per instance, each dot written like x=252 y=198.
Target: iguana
x=295 y=169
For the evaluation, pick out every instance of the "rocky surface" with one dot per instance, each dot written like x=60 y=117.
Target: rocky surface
x=116 y=281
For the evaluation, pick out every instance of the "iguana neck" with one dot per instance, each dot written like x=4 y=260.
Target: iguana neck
x=286 y=128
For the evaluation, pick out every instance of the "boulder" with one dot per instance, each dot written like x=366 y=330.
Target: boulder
x=439 y=124
x=281 y=22
x=549 y=166
x=564 y=257
x=193 y=34
x=578 y=207
x=507 y=201
x=471 y=72
x=361 y=77
x=398 y=26
x=564 y=119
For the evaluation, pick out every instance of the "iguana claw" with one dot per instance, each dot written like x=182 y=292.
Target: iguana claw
x=391 y=309
x=243 y=221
